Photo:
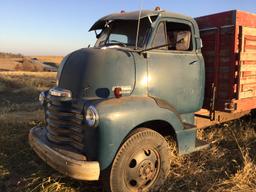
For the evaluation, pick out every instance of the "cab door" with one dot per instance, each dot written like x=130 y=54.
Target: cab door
x=175 y=72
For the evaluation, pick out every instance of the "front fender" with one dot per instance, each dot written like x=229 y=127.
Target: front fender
x=119 y=116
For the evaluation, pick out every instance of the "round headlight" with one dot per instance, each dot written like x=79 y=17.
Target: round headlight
x=92 y=117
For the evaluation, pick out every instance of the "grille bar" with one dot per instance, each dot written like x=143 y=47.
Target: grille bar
x=64 y=124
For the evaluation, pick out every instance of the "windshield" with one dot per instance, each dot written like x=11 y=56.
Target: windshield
x=123 y=33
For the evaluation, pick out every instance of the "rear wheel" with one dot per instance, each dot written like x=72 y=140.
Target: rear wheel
x=141 y=163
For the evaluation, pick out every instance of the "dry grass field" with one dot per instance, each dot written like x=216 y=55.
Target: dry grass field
x=14 y=62
x=9 y=64
x=229 y=165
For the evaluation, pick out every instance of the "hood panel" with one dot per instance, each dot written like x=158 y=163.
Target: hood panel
x=94 y=72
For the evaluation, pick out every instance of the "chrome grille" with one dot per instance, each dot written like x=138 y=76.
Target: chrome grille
x=64 y=124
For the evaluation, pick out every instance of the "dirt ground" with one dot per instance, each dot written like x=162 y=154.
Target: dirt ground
x=229 y=165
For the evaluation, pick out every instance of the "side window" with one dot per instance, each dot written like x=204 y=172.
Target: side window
x=160 y=36
x=179 y=36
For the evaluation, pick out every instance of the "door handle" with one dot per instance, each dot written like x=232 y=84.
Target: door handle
x=192 y=62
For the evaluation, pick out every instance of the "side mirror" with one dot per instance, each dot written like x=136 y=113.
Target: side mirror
x=183 y=40
x=98 y=33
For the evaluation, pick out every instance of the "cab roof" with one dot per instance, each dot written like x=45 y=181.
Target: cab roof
x=134 y=15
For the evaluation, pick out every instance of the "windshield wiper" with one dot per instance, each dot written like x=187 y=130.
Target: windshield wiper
x=120 y=47
x=117 y=42
x=156 y=47
x=124 y=47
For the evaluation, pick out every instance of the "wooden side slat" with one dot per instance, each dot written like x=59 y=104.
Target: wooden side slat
x=247 y=68
x=247 y=94
x=247 y=81
x=248 y=90
x=249 y=87
x=248 y=56
x=249 y=31
x=252 y=43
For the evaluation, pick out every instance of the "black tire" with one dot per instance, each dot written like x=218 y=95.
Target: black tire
x=141 y=163
x=253 y=113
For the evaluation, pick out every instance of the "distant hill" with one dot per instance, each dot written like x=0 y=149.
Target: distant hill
x=10 y=55
x=18 y=62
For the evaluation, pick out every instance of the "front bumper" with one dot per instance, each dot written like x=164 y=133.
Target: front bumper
x=64 y=160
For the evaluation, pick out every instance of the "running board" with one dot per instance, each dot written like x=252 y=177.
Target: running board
x=199 y=144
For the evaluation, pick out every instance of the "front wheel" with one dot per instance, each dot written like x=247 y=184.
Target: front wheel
x=141 y=163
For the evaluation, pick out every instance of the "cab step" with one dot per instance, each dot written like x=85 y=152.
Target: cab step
x=199 y=144
x=188 y=126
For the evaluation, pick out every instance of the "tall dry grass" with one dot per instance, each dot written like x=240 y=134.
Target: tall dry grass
x=229 y=165
x=245 y=177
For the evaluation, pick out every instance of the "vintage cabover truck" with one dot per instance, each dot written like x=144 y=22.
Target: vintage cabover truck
x=151 y=75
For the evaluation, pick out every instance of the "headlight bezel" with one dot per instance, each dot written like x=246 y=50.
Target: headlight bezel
x=92 y=116
x=59 y=92
x=42 y=98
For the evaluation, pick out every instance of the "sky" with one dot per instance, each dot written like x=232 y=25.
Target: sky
x=57 y=27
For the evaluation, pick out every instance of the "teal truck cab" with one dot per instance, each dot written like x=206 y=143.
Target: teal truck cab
x=115 y=104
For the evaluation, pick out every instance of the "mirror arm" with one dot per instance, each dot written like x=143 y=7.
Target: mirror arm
x=160 y=46
x=156 y=47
